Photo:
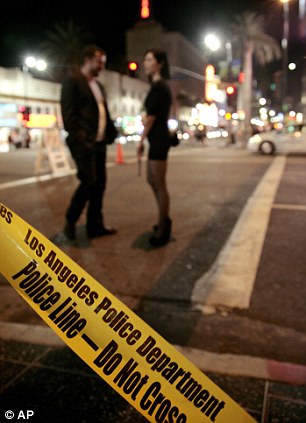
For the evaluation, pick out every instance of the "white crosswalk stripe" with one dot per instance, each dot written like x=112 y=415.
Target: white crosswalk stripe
x=230 y=281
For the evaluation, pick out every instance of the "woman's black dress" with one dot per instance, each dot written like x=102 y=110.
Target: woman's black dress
x=158 y=103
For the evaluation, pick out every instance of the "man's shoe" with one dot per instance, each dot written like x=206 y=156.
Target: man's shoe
x=69 y=231
x=100 y=231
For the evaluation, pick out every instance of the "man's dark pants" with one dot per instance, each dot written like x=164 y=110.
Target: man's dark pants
x=90 y=159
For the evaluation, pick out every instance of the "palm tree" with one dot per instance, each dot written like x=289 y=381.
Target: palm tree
x=249 y=32
x=62 y=48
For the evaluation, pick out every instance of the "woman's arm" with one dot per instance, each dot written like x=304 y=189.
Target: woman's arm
x=148 y=122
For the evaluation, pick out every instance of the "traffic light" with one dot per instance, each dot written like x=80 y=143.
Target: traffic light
x=230 y=90
x=133 y=66
x=25 y=111
x=241 y=78
x=231 y=96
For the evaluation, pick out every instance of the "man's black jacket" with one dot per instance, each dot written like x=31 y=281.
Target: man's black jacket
x=80 y=111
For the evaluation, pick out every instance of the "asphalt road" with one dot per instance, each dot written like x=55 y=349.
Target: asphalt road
x=209 y=189
x=237 y=217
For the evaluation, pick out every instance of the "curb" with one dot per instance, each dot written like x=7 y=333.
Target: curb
x=224 y=364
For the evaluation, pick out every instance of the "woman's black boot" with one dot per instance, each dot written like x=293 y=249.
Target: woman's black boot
x=164 y=238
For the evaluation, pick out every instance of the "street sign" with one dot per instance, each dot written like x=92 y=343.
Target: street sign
x=53 y=148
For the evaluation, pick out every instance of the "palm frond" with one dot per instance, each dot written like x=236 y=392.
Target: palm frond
x=63 y=44
x=250 y=27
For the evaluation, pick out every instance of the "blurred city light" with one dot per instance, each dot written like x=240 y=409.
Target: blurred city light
x=212 y=42
x=299 y=117
x=172 y=124
x=292 y=66
x=145 y=9
x=39 y=64
x=133 y=66
x=30 y=62
x=230 y=89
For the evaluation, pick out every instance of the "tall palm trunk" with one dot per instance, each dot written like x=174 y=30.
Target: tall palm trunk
x=247 y=87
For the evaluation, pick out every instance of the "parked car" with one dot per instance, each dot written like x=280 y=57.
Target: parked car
x=291 y=139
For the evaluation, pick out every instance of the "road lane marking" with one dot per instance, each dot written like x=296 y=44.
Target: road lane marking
x=35 y=179
x=49 y=176
x=229 y=282
x=295 y=207
x=131 y=160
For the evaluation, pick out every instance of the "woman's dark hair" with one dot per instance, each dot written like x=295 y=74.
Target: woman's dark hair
x=161 y=57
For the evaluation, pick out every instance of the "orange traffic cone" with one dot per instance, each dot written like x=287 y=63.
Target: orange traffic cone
x=119 y=155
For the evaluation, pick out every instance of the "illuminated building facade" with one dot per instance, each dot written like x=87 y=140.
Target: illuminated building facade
x=182 y=54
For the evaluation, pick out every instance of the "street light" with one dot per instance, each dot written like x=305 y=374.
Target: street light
x=213 y=43
x=285 y=45
x=32 y=62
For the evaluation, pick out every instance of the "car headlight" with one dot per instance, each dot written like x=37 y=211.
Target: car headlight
x=255 y=139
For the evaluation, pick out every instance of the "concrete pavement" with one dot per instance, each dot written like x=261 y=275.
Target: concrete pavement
x=271 y=388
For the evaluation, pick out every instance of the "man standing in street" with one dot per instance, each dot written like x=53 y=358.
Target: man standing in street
x=90 y=129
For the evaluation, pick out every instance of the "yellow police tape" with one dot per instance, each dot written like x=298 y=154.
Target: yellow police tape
x=122 y=349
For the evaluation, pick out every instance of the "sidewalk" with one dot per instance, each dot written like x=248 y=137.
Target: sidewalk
x=38 y=373
x=52 y=380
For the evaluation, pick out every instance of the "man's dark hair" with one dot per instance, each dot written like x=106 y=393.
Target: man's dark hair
x=161 y=57
x=90 y=51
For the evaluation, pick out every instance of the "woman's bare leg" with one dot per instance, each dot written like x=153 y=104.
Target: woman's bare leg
x=156 y=177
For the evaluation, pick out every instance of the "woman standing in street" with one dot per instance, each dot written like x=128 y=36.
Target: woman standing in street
x=157 y=106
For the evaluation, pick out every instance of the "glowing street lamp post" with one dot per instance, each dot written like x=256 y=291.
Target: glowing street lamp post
x=214 y=44
x=31 y=62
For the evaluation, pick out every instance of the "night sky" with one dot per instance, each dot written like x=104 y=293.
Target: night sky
x=23 y=24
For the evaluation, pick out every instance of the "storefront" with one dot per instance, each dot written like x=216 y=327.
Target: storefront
x=15 y=132
x=8 y=122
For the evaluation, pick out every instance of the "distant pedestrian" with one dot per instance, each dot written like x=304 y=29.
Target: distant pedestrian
x=157 y=106
x=90 y=129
